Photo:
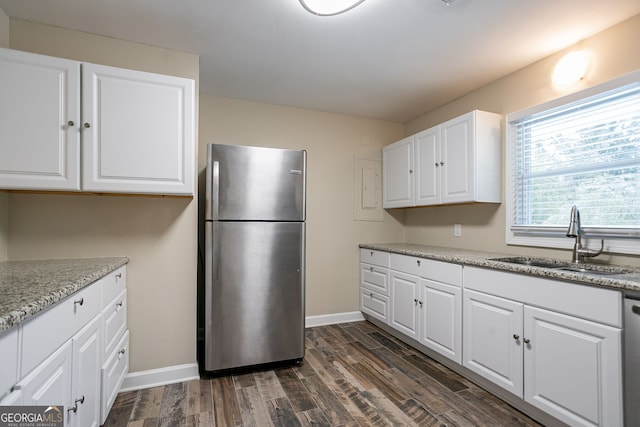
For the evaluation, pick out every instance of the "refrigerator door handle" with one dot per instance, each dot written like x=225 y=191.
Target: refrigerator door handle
x=212 y=186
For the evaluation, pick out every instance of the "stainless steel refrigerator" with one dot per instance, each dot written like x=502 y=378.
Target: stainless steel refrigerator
x=254 y=288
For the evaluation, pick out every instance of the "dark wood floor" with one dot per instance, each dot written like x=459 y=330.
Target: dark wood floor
x=353 y=374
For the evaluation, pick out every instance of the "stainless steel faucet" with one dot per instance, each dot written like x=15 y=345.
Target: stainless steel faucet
x=580 y=253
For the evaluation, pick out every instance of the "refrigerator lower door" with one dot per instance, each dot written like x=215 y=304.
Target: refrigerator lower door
x=254 y=293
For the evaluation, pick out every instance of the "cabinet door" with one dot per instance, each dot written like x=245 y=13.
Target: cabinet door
x=492 y=337
x=87 y=365
x=138 y=131
x=573 y=368
x=457 y=153
x=50 y=382
x=427 y=167
x=441 y=318
x=397 y=174
x=404 y=303
x=39 y=118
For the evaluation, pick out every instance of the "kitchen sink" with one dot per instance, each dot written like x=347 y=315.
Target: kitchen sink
x=532 y=262
x=597 y=269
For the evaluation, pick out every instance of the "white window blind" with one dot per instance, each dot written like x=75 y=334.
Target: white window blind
x=584 y=153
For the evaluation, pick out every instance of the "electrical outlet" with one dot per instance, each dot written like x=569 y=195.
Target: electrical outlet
x=457 y=230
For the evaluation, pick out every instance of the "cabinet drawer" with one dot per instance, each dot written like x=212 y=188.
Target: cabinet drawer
x=409 y=264
x=371 y=256
x=374 y=304
x=113 y=284
x=444 y=272
x=44 y=333
x=375 y=278
x=113 y=372
x=9 y=365
x=114 y=317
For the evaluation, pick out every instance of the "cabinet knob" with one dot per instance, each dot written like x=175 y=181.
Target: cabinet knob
x=119 y=304
x=370 y=294
x=74 y=408
x=371 y=269
x=87 y=125
x=441 y=163
x=418 y=261
x=420 y=304
x=437 y=164
x=415 y=301
x=80 y=301
x=516 y=337
x=70 y=123
x=119 y=276
x=526 y=341
x=410 y=170
x=371 y=253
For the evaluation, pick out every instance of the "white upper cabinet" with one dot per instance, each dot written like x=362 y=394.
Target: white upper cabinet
x=138 y=131
x=39 y=118
x=397 y=174
x=455 y=162
x=136 y=135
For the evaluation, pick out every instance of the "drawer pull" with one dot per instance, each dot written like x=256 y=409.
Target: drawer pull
x=80 y=301
x=516 y=337
x=119 y=304
x=119 y=276
x=74 y=408
x=527 y=341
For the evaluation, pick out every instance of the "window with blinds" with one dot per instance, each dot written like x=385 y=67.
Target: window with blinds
x=584 y=152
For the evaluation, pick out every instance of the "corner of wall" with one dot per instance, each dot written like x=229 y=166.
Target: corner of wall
x=4 y=226
x=4 y=29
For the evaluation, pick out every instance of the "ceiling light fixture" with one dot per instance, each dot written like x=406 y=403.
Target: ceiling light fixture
x=571 y=69
x=447 y=2
x=329 y=7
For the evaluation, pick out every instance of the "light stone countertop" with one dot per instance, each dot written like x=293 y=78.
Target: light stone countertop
x=626 y=282
x=28 y=287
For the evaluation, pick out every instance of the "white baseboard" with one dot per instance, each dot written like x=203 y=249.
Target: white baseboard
x=162 y=376
x=189 y=371
x=332 y=319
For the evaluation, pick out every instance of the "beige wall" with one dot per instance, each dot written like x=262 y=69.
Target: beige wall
x=157 y=234
x=614 y=53
x=332 y=142
x=4 y=197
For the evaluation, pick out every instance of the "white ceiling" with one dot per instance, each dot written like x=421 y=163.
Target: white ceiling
x=385 y=59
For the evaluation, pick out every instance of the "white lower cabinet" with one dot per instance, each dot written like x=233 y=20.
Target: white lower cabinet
x=441 y=318
x=374 y=284
x=563 y=364
x=555 y=345
x=426 y=303
x=50 y=382
x=81 y=361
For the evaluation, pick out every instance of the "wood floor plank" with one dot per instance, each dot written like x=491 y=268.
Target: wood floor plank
x=268 y=385
x=450 y=379
x=312 y=418
x=252 y=407
x=300 y=398
x=225 y=403
x=281 y=413
x=353 y=375
x=326 y=400
x=147 y=404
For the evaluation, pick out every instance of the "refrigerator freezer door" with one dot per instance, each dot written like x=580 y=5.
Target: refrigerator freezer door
x=255 y=183
x=254 y=293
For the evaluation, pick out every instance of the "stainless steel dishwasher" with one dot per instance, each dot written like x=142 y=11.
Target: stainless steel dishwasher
x=632 y=359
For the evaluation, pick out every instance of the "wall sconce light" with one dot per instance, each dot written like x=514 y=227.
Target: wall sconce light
x=329 y=7
x=571 y=68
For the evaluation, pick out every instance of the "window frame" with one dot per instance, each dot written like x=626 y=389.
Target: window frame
x=555 y=237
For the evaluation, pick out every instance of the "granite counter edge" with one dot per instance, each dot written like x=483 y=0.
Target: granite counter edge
x=482 y=259
x=42 y=302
